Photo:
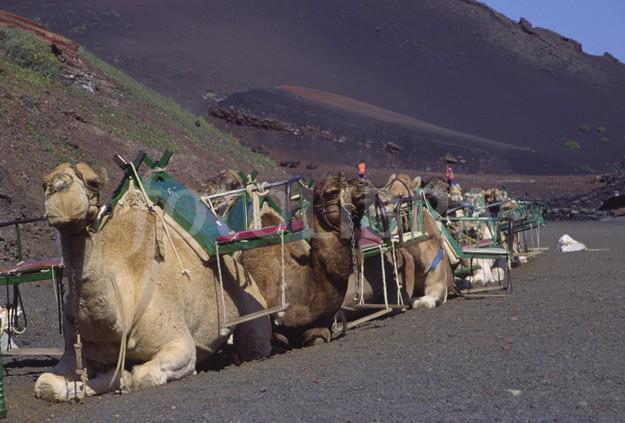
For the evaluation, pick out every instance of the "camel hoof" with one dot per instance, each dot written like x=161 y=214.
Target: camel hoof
x=426 y=302
x=53 y=388
x=317 y=340
x=147 y=377
x=279 y=343
x=316 y=337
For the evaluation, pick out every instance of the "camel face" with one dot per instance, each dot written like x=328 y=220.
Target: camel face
x=330 y=197
x=402 y=185
x=362 y=194
x=71 y=195
x=229 y=180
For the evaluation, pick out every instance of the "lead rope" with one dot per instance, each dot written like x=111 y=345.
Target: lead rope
x=224 y=330
x=398 y=281
x=80 y=370
x=383 y=276
x=283 y=276
x=358 y=291
x=150 y=206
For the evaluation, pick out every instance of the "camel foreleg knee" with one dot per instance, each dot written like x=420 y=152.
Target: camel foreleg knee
x=174 y=361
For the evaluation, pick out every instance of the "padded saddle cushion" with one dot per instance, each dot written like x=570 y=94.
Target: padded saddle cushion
x=266 y=232
x=369 y=239
x=31 y=266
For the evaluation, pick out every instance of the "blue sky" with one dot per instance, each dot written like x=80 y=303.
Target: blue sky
x=598 y=24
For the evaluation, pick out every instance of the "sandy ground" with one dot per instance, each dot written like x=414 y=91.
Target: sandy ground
x=551 y=350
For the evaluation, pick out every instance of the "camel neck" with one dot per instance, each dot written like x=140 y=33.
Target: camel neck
x=332 y=254
x=76 y=248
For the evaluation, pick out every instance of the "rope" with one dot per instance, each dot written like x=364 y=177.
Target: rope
x=383 y=276
x=361 y=278
x=224 y=329
x=398 y=282
x=255 y=191
x=80 y=370
x=152 y=209
x=283 y=280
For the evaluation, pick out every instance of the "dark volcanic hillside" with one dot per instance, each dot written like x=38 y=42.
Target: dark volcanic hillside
x=82 y=109
x=452 y=63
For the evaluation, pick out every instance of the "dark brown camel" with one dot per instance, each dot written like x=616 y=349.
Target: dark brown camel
x=317 y=273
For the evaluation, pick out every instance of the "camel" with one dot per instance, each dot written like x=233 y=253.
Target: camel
x=317 y=273
x=434 y=276
x=131 y=299
x=226 y=180
x=375 y=268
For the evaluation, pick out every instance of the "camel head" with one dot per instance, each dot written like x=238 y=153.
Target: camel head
x=495 y=195
x=229 y=180
x=363 y=194
x=72 y=193
x=402 y=185
x=333 y=202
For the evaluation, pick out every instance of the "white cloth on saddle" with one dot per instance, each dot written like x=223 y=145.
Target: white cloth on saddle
x=568 y=244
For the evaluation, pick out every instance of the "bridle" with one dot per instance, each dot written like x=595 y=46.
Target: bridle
x=346 y=207
x=93 y=192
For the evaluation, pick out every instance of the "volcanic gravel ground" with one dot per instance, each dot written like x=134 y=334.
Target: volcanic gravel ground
x=551 y=350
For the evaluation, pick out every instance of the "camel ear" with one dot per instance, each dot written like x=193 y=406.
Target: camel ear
x=417 y=182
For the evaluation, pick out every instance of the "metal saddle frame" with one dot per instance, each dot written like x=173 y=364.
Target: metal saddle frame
x=197 y=217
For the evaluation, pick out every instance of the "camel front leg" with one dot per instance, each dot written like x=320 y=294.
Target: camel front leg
x=435 y=288
x=174 y=360
x=67 y=364
x=56 y=388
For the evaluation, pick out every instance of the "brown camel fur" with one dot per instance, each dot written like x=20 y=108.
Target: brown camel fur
x=430 y=286
x=363 y=195
x=317 y=275
x=126 y=283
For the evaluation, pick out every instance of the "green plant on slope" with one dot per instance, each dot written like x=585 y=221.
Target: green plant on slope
x=584 y=127
x=168 y=120
x=26 y=50
x=604 y=140
x=572 y=145
x=602 y=130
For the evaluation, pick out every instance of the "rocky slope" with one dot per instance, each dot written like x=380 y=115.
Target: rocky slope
x=53 y=111
x=456 y=64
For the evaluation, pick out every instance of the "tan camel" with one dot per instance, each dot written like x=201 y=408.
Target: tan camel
x=226 y=180
x=375 y=269
x=434 y=276
x=128 y=289
x=317 y=274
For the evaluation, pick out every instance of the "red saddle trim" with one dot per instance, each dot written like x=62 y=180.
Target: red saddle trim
x=266 y=232
x=369 y=239
x=30 y=266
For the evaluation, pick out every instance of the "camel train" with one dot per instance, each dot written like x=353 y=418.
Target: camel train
x=160 y=277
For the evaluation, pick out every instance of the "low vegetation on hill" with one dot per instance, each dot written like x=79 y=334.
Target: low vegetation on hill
x=51 y=111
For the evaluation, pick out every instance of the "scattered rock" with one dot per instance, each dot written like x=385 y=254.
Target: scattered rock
x=290 y=164
x=392 y=148
x=259 y=150
x=603 y=201
x=311 y=166
x=514 y=392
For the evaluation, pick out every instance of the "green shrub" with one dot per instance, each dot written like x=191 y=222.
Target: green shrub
x=572 y=145
x=584 y=127
x=27 y=51
x=602 y=130
x=585 y=168
x=604 y=140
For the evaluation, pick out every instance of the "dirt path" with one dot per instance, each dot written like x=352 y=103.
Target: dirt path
x=551 y=350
